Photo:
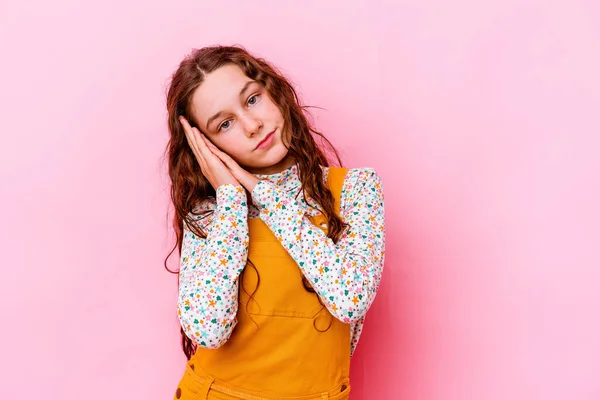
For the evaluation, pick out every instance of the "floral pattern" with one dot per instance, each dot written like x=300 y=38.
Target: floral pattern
x=345 y=275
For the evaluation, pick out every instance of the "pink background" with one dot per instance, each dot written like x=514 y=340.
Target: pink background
x=481 y=116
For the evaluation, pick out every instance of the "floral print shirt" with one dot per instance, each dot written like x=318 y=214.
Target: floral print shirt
x=345 y=275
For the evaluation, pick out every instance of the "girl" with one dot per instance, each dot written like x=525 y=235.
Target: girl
x=281 y=254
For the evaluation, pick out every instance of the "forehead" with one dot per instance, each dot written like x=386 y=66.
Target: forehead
x=219 y=91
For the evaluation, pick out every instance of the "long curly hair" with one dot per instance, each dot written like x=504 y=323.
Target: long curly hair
x=189 y=187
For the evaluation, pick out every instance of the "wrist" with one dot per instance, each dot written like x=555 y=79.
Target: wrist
x=250 y=183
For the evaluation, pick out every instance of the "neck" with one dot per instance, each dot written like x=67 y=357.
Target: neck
x=282 y=165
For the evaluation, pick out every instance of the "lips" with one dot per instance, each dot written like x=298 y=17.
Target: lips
x=265 y=139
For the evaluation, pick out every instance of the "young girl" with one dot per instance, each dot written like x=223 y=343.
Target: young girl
x=281 y=254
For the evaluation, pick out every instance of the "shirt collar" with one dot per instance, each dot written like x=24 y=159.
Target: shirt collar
x=288 y=179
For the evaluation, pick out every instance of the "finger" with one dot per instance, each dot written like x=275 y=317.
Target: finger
x=198 y=154
x=215 y=150
x=221 y=155
x=227 y=160
x=189 y=134
x=202 y=143
x=192 y=140
x=187 y=129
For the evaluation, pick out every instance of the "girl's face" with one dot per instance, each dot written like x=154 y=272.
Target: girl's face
x=237 y=115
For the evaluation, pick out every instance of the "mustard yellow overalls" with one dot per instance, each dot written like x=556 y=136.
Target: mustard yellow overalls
x=286 y=344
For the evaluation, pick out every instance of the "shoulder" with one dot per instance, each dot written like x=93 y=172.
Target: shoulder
x=362 y=185
x=357 y=178
x=365 y=173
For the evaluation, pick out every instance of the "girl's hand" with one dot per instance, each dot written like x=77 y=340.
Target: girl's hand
x=244 y=177
x=211 y=166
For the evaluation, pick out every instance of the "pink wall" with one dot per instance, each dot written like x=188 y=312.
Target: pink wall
x=482 y=118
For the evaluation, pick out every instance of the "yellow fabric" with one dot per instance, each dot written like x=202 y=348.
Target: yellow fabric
x=286 y=344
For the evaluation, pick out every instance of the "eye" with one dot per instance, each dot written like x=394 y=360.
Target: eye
x=224 y=125
x=253 y=100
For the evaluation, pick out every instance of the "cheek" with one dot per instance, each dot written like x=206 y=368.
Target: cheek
x=231 y=146
x=272 y=111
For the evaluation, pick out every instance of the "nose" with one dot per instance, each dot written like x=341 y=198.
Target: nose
x=252 y=124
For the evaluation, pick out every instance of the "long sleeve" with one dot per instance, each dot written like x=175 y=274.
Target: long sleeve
x=210 y=268
x=345 y=274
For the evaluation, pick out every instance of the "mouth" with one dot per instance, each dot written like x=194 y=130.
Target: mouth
x=266 y=140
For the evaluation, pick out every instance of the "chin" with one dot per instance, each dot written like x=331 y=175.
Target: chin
x=278 y=156
x=272 y=158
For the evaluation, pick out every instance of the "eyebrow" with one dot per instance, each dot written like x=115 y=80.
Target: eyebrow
x=217 y=115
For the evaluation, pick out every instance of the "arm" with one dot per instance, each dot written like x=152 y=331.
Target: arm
x=210 y=268
x=345 y=274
